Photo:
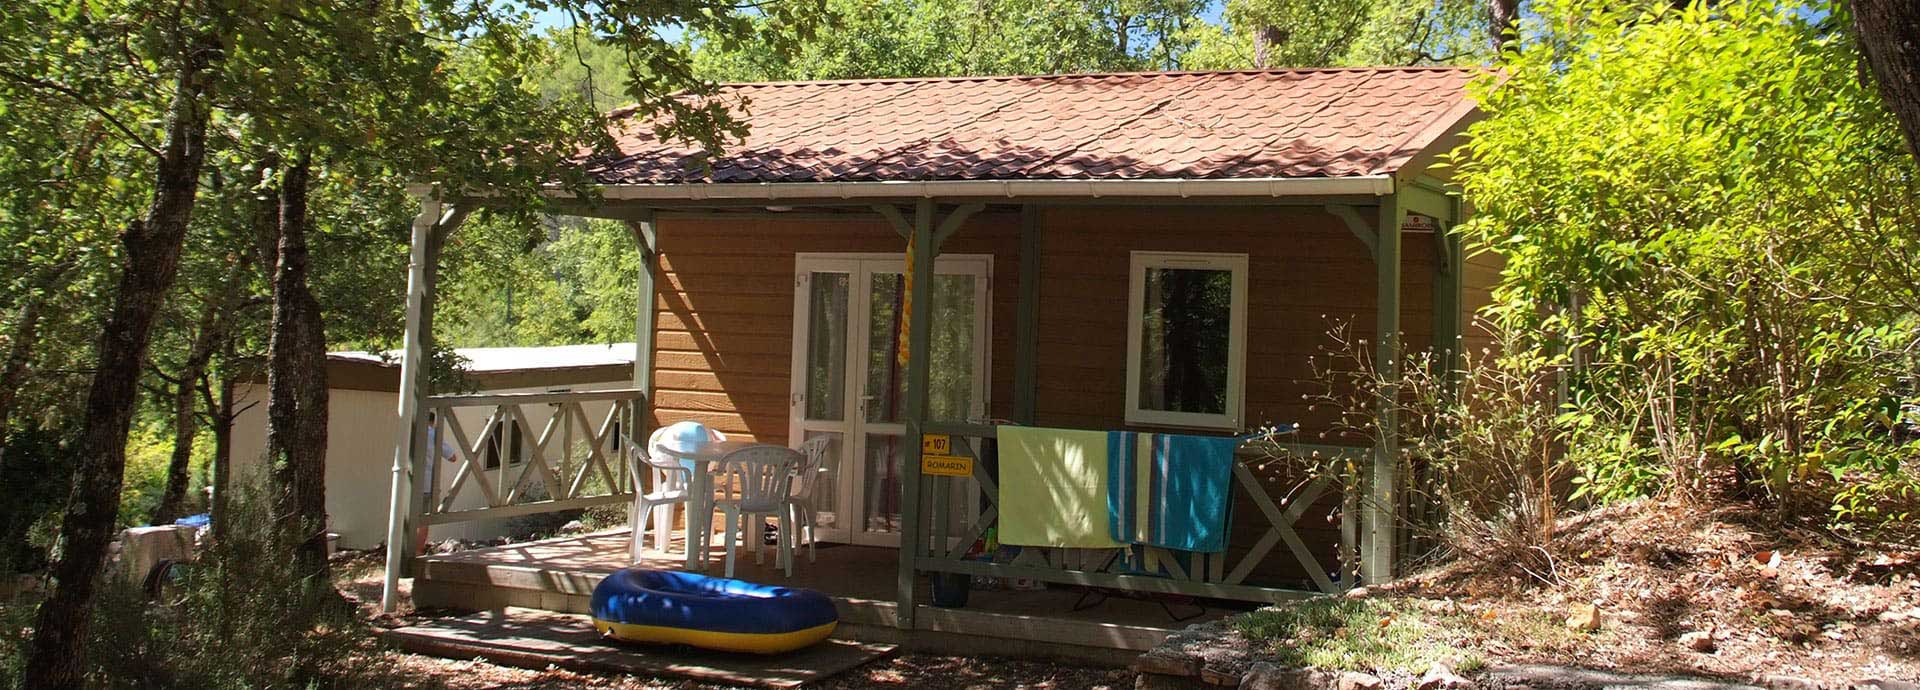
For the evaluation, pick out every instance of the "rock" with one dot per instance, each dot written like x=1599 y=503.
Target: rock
x=573 y=527
x=1441 y=678
x=1167 y=663
x=1268 y=676
x=1883 y=684
x=1357 y=593
x=1583 y=617
x=1698 y=640
x=1355 y=680
x=1784 y=682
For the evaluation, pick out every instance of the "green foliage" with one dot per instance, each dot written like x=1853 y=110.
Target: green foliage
x=1339 y=33
x=1713 y=218
x=918 y=38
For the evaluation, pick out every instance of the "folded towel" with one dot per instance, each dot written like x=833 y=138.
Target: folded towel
x=1053 y=488
x=1170 y=490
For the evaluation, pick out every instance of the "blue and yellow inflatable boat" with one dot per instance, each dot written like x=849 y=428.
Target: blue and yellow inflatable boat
x=665 y=606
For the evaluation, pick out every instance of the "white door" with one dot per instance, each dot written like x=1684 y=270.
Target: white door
x=849 y=384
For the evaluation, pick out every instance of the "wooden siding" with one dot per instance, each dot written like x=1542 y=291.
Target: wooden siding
x=726 y=318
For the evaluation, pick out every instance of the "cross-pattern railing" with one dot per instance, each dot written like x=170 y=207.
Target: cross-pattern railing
x=1210 y=575
x=534 y=453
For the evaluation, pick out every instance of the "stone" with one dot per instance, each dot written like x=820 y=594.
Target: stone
x=573 y=527
x=1441 y=678
x=1786 y=682
x=1357 y=593
x=1884 y=684
x=1264 y=675
x=1167 y=663
x=1583 y=617
x=1355 y=680
x=1698 y=640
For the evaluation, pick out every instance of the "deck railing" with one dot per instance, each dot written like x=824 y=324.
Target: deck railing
x=535 y=453
x=1197 y=574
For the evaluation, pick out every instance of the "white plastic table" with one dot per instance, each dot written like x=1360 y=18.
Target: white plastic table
x=700 y=502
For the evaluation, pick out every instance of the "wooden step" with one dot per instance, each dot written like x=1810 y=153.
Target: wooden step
x=531 y=638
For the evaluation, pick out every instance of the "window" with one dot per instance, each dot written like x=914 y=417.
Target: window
x=1186 y=339
x=503 y=433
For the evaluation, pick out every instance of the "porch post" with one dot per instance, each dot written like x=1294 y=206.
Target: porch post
x=1026 y=353
x=409 y=450
x=1382 y=505
x=921 y=250
x=646 y=238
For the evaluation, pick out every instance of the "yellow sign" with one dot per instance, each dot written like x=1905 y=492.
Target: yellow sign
x=946 y=465
x=936 y=444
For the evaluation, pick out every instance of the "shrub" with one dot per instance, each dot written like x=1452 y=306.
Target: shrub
x=1713 y=217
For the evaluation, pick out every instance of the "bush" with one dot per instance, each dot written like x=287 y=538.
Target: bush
x=236 y=618
x=1713 y=218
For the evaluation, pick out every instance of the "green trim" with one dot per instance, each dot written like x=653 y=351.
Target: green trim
x=1430 y=201
x=919 y=338
x=1359 y=227
x=1026 y=353
x=1131 y=583
x=1382 y=504
x=951 y=224
x=899 y=223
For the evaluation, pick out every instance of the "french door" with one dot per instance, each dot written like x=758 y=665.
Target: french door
x=849 y=383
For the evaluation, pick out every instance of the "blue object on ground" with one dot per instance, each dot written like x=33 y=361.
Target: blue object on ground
x=643 y=605
x=200 y=520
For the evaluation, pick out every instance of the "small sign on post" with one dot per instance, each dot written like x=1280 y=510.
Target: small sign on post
x=946 y=465
x=936 y=444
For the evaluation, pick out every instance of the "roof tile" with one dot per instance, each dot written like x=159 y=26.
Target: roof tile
x=1194 y=125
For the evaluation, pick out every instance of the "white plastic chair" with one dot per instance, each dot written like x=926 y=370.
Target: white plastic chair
x=670 y=484
x=758 y=480
x=800 y=508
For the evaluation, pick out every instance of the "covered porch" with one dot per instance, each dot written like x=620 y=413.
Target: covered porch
x=1293 y=536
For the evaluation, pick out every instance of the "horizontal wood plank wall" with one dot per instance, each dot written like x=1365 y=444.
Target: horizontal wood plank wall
x=725 y=311
x=726 y=319
x=1483 y=275
x=1308 y=272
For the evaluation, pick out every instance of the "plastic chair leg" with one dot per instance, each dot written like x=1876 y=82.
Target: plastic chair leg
x=662 y=526
x=635 y=522
x=786 y=544
x=732 y=539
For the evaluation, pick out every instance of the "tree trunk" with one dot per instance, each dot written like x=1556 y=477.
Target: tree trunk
x=1266 y=42
x=152 y=259
x=13 y=373
x=297 y=379
x=1503 y=17
x=220 y=469
x=185 y=420
x=1889 y=33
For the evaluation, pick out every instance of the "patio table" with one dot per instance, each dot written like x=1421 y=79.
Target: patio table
x=700 y=500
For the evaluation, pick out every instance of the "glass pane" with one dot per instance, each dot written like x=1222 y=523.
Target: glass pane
x=951 y=380
x=1184 y=339
x=827 y=346
x=882 y=509
x=953 y=358
x=886 y=378
x=824 y=493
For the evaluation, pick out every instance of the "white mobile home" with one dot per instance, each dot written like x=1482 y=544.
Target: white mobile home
x=364 y=427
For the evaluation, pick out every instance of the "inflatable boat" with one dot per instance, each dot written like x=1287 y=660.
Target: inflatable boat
x=665 y=606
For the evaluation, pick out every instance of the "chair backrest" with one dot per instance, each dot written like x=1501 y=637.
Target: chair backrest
x=814 y=453
x=759 y=477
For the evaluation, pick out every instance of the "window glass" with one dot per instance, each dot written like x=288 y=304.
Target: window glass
x=1185 y=336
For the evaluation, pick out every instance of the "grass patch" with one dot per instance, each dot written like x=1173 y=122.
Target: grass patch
x=1361 y=635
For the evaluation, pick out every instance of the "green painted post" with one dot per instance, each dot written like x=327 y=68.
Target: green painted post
x=646 y=238
x=1026 y=353
x=919 y=335
x=1383 y=500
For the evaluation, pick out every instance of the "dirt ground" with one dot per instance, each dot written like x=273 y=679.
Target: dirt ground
x=372 y=665
x=1774 y=600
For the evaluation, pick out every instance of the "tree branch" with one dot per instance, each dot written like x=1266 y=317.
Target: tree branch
x=74 y=94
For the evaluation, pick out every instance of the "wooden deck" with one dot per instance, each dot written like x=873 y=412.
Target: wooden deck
x=559 y=575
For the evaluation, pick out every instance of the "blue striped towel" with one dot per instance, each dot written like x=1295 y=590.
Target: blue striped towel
x=1170 y=490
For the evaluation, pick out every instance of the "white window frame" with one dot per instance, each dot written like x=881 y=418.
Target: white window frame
x=1236 y=264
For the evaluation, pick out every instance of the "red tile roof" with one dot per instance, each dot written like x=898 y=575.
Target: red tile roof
x=1188 y=125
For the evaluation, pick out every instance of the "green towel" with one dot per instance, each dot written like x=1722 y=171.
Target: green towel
x=1053 y=488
